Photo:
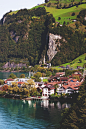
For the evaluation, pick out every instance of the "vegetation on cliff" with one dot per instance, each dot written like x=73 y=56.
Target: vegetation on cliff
x=24 y=33
x=75 y=117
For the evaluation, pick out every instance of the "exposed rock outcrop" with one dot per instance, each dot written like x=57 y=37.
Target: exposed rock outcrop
x=14 y=65
x=53 y=45
x=4 y=18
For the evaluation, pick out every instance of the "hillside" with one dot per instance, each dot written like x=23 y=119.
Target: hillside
x=78 y=62
x=24 y=34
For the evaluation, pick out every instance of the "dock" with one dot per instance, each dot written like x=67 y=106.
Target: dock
x=37 y=98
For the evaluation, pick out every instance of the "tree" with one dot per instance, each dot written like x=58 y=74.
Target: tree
x=73 y=14
x=56 y=86
x=5 y=87
x=1 y=82
x=48 y=73
x=75 y=117
x=37 y=76
x=33 y=91
x=46 y=1
x=59 y=18
x=13 y=76
x=80 y=61
x=77 y=25
x=30 y=83
x=22 y=76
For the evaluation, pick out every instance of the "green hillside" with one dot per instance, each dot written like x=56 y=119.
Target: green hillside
x=65 y=14
x=79 y=61
x=24 y=34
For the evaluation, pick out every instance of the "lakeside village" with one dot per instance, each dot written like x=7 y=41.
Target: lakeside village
x=58 y=86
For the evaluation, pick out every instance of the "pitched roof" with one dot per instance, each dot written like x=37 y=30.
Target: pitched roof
x=10 y=79
x=63 y=78
x=20 y=82
x=49 y=87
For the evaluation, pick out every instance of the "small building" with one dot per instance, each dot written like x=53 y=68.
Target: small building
x=20 y=84
x=9 y=81
x=48 y=90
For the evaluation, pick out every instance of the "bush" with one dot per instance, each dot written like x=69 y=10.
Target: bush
x=73 y=14
x=59 y=18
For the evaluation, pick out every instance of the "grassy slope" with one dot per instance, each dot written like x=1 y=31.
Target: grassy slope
x=65 y=14
x=75 y=62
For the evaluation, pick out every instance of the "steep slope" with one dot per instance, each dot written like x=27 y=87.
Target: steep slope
x=25 y=34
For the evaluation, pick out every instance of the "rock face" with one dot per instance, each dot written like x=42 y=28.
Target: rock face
x=13 y=65
x=53 y=45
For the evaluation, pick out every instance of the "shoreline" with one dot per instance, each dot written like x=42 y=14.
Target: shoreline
x=18 y=97
x=10 y=71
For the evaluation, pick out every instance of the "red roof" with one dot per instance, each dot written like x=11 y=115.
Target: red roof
x=73 y=75
x=10 y=79
x=20 y=82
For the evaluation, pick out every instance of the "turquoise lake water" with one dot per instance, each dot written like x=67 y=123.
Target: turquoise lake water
x=19 y=114
x=5 y=75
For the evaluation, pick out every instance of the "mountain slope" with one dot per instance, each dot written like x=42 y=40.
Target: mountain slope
x=26 y=30
x=24 y=34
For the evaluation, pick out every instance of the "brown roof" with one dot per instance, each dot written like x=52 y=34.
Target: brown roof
x=63 y=78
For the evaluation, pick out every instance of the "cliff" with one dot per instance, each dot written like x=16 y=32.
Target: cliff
x=53 y=42
x=14 y=65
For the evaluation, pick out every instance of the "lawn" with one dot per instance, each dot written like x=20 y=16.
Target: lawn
x=65 y=14
x=74 y=63
x=45 y=80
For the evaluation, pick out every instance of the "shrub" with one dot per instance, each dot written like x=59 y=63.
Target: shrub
x=73 y=14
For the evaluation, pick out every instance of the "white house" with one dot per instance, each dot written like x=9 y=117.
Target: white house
x=48 y=90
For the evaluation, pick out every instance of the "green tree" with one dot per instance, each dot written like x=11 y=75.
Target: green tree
x=37 y=76
x=56 y=86
x=48 y=73
x=22 y=76
x=13 y=76
x=75 y=117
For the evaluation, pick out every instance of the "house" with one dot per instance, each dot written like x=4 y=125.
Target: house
x=20 y=84
x=48 y=90
x=54 y=78
x=60 y=90
x=79 y=67
x=63 y=79
x=9 y=81
x=60 y=73
x=21 y=79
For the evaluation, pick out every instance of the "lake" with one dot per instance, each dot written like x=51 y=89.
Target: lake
x=5 y=75
x=20 y=114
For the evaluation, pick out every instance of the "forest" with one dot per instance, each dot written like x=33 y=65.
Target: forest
x=75 y=117
x=25 y=35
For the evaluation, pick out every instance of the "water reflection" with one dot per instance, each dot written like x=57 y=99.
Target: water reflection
x=30 y=114
x=46 y=104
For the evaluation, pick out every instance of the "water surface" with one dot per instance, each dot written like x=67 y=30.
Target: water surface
x=5 y=75
x=18 y=114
